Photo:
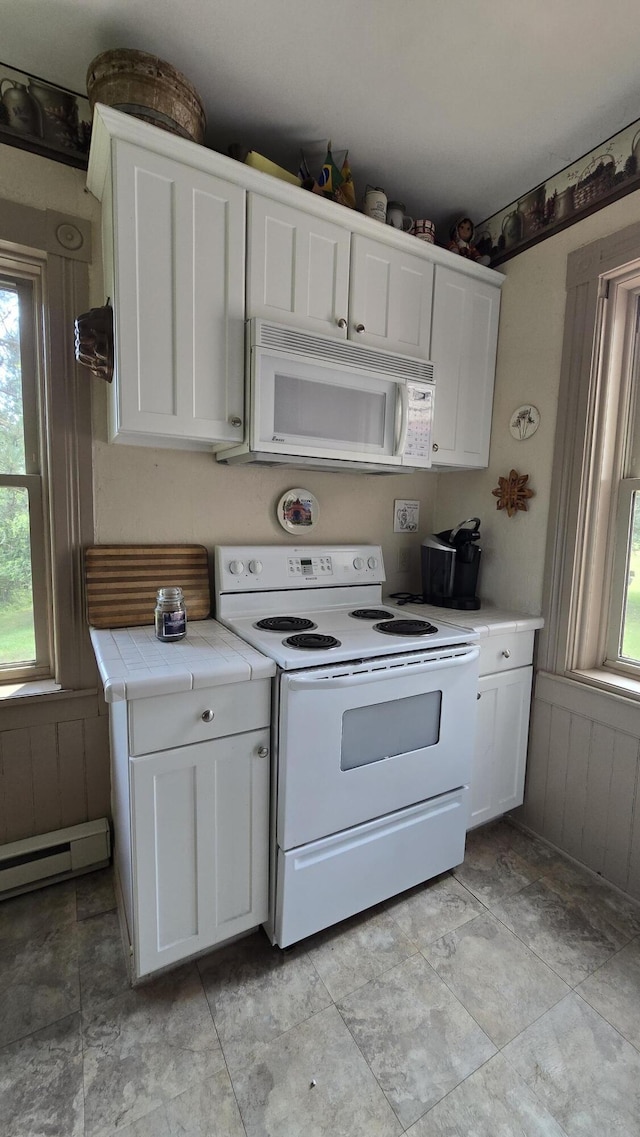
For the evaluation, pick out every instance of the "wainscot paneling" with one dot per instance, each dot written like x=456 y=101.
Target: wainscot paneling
x=582 y=777
x=54 y=765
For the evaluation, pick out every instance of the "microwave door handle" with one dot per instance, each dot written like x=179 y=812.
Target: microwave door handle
x=402 y=412
x=360 y=679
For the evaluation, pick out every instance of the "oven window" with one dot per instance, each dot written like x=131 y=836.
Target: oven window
x=386 y=730
x=308 y=409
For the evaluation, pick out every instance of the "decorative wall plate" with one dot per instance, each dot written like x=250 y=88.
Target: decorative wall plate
x=297 y=511
x=524 y=421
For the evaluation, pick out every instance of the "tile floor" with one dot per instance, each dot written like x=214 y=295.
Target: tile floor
x=502 y=1000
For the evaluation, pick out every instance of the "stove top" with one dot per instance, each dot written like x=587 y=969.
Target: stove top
x=307 y=606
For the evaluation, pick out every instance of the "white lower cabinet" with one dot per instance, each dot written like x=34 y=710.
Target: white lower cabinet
x=190 y=798
x=200 y=846
x=500 y=756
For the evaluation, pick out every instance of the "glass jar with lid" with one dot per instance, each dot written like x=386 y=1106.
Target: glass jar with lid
x=171 y=615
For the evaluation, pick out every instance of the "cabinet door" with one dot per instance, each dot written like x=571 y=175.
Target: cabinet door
x=390 y=298
x=500 y=756
x=464 y=336
x=297 y=268
x=178 y=269
x=200 y=846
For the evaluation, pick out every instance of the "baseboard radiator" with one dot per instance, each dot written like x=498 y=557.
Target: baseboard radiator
x=41 y=860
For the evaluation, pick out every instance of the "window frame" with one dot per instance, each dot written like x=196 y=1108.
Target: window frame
x=603 y=280
x=26 y=278
x=56 y=248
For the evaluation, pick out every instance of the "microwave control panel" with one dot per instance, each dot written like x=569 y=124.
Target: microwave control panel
x=420 y=420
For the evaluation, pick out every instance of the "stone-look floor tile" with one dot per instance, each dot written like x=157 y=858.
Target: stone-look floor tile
x=103 y=967
x=558 y=932
x=38 y=981
x=277 y=1099
x=95 y=893
x=507 y=837
x=349 y=954
x=491 y=869
x=37 y=913
x=145 y=1047
x=430 y=911
x=614 y=991
x=616 y=915
x=493 y=1102
x=417 y=1038
x=500 y=982
x=257 y=992
x=586 y=1074
x=41 y=1083
x=206 y=1110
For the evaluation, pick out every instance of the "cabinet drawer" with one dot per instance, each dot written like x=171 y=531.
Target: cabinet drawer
x=162 y=722
x=502 y=653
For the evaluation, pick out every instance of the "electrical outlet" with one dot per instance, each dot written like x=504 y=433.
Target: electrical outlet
x=404 y=560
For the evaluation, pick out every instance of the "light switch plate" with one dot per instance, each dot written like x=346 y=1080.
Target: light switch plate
x=406 y=515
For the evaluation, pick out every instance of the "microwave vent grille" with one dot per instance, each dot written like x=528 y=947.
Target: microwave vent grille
x=343 y=352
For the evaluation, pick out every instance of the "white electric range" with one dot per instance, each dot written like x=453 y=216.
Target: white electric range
x=373 y=726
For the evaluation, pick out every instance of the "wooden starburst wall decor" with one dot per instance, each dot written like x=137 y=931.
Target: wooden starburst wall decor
x=513 y=493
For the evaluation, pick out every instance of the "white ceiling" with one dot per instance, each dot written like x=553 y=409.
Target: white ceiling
x=453 y=106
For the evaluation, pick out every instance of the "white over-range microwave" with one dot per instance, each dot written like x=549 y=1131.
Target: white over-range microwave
x=317 y=401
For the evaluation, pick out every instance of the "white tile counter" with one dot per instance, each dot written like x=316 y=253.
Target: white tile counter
x=134 y=664
x=486 y=621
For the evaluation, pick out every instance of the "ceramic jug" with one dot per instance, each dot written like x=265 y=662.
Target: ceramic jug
x=59 y=112
x=397 y=217
x=23 y=112
x=375 y=203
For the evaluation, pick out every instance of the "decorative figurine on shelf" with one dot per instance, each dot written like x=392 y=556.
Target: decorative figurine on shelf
x=461 y=242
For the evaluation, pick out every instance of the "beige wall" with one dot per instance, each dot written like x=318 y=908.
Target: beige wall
x=529 y=355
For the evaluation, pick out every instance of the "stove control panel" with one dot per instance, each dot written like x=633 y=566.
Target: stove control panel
x=252 y=568
x=310 y=566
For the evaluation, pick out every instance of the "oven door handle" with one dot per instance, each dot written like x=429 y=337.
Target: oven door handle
x=360 y=679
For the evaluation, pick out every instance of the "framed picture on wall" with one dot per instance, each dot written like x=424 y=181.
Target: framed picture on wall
x=44 y=118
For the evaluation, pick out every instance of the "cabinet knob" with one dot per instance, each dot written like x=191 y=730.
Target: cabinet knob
x=479 y=695
x=360 y=327
x=506 y=653
x=435 y=446
x=208 y=716
x=342 y=323
x=235 y=421
x=263 y=752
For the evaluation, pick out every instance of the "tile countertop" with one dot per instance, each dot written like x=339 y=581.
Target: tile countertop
x=133 y=664
x=486 y=621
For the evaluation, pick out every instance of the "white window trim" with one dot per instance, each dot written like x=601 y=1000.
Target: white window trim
x=601 y=280
x=64 y=243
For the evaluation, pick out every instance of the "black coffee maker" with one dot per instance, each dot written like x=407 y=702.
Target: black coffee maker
x=450 y=563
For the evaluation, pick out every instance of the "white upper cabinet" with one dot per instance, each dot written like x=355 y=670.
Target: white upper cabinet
x=390 y=298
x=464 y=338
x=297 y=267
x=179 y=224
x=309 y=272
x=176 y=237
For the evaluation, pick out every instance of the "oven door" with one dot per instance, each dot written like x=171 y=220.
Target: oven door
x=359 y=741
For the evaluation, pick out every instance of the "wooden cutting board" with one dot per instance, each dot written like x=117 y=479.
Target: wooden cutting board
x=122 y=581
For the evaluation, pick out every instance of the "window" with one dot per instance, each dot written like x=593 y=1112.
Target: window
x=46 y=499
x=24 y=592
x=593 y=552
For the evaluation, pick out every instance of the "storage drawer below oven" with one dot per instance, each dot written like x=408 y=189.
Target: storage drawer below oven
x=325 y=881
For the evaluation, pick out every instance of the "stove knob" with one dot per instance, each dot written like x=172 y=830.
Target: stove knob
x=358 y=563
x=372 y=562
x=236 y=567
x=255 y=567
